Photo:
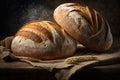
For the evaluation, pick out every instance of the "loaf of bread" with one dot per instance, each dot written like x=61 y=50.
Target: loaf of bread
x=85 y=25
x=43 y=40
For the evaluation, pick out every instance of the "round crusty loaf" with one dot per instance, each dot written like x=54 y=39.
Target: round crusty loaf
x=85 y=25
x=43 y=40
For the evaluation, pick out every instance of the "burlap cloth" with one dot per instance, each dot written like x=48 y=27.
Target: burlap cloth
x=66 y=67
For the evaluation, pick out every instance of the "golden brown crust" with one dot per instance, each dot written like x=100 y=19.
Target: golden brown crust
x=85 y=25
x=43 y=40
x=29 y=35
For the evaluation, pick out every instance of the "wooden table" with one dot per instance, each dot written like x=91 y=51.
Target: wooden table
x=14 y=71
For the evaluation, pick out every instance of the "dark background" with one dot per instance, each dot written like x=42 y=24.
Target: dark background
x=15 y=13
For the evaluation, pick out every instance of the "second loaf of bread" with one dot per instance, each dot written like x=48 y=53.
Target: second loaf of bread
x=84 y=24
